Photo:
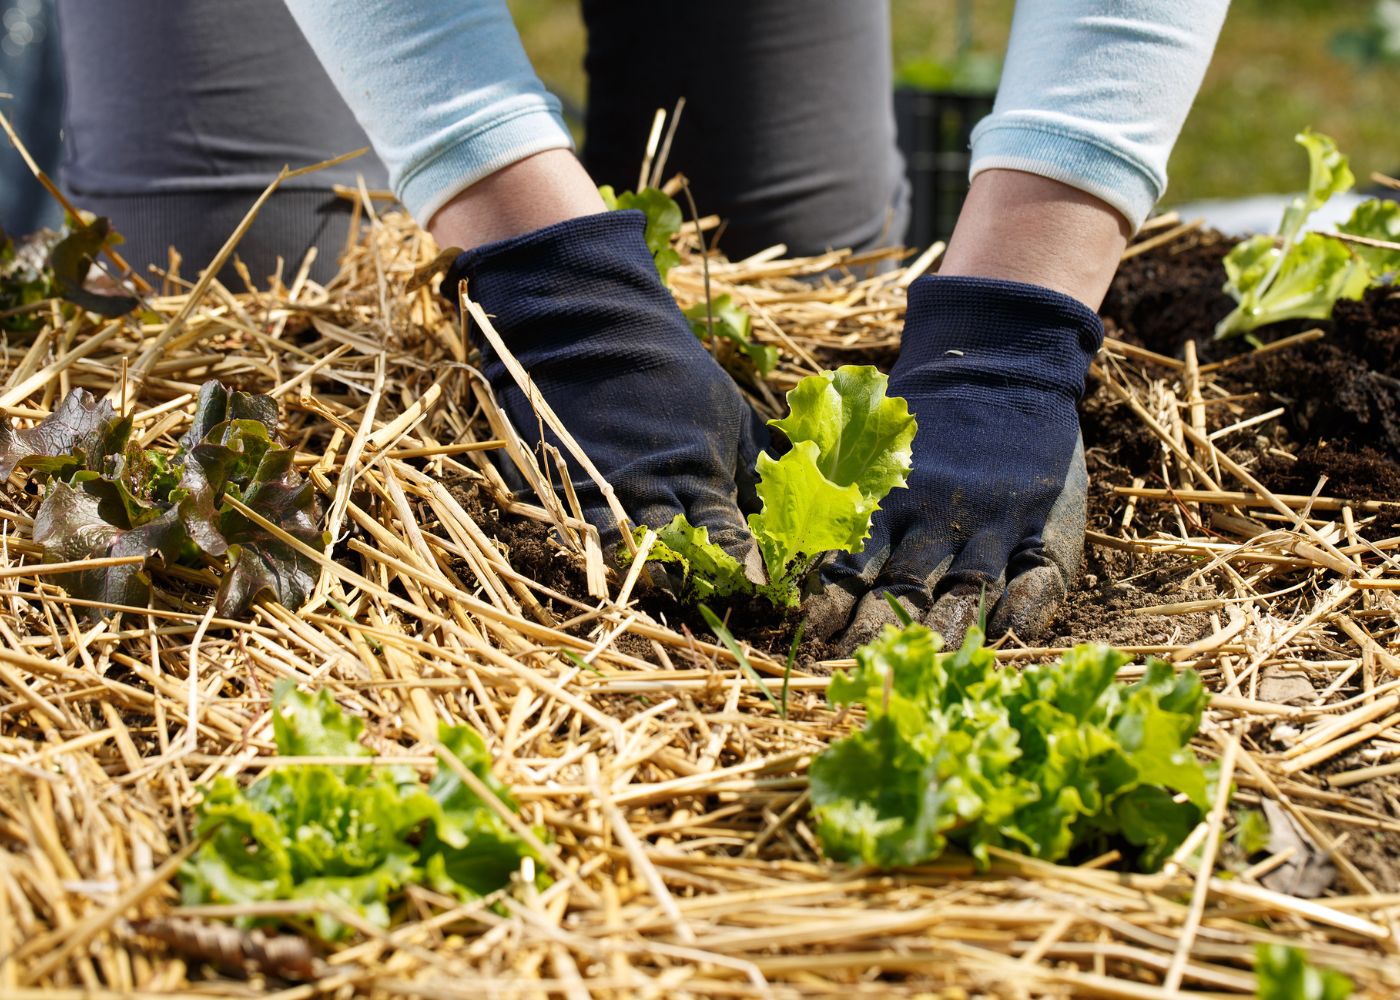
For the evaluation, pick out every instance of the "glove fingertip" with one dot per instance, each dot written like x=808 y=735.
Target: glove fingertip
x=1030 y=604
x=871 y=617
x=954 y=613
x=828 y=612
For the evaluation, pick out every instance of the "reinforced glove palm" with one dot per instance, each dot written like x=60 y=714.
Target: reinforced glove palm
x=994 y=514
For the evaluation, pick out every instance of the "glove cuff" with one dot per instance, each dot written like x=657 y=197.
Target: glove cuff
x=598 y=251
x=1019 y=329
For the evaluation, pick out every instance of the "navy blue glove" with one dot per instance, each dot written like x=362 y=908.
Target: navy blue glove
x=993 y=519
x=582 y=308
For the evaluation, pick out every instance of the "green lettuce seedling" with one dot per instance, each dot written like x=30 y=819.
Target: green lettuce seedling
x=1039 y=760
x=353 y=835
x=722 y=318
x=1294 y=275
x=851 y=445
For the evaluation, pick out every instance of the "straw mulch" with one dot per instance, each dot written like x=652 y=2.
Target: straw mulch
x=682 y=857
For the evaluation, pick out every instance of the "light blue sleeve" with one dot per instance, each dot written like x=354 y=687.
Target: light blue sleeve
x=1094 y=94
x=443 y=88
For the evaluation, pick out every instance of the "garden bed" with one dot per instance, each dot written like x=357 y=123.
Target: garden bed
x=682 y=861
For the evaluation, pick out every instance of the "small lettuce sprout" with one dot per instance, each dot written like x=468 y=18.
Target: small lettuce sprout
x=1297 y=275
x=851 y=445
x=729 y=322
x=353 y=835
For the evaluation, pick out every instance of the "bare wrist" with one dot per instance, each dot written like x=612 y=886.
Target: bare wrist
x=532 y=193
x=1023 y=227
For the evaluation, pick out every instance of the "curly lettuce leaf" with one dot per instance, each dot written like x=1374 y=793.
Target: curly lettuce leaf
x=80 y=433
x=73 y=256
x=863 y=437
x=469 y=848
x=706 y=570
x=1301 y=276
x=1041 y=760
x=1329 y=173
x=1302 y=282
x=217 y=404
x=352 y=835
x=260 y=562
x=851 y=444
x=74 y=525
x=804 y=514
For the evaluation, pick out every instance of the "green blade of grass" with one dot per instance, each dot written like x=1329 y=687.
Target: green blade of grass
x=787 y=667
x=904 y=620
x=731 y=644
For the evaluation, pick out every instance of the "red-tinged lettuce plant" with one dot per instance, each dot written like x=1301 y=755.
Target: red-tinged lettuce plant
x=1297 y=275
x=1041 y=760
x=106 y=496
x=352 y=835
x=851 y=445
x=55 y=266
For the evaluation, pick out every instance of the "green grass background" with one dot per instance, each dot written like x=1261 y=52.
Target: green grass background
x=1273 y=73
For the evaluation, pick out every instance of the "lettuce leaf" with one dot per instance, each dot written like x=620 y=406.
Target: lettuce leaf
x=706 y=570
x=851 y=445
x=863 y=437
x=728 y=321
x=1377 y=220
x=25 y=280
x=1297 y=275
x=1303 y=282
x=1042 y=760
x=1329 y=173
x=108 y=497
x=354 y=834
x=663 y=221
x=804 y=514
x=73 y=256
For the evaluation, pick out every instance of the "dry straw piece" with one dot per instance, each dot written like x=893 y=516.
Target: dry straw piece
x=682 y=858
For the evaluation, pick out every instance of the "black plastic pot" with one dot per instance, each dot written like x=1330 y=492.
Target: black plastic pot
x=934 y=130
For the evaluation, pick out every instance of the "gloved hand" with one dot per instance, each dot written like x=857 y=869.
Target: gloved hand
x=993 y=371
x=582 y=308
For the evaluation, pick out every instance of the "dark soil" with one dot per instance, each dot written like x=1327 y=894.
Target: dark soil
x=529 y=546
x=1341 y=394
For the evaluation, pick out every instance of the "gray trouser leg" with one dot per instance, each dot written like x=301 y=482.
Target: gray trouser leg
x=788 y=129
x=181 y=111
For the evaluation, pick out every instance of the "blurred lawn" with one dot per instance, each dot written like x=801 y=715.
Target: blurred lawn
x=1273 y=73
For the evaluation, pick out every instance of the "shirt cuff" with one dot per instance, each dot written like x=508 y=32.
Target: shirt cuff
x=1071 y=156
x=473 y=155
